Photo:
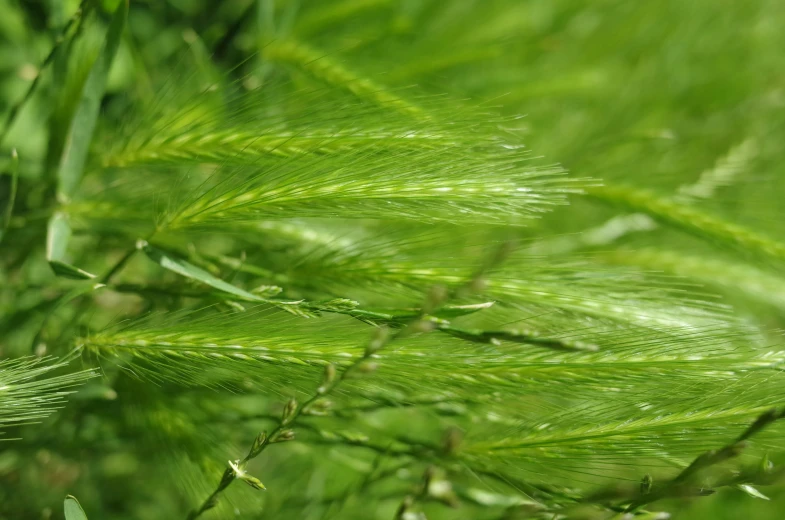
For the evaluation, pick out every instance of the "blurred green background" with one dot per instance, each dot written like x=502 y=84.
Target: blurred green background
x=628 y=90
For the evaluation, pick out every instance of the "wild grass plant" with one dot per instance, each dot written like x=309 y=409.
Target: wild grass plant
x=308 y=259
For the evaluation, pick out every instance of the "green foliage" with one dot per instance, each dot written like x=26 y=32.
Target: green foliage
x=80 y=131
x=301 y=244
x=73 y=510
x=10 y=198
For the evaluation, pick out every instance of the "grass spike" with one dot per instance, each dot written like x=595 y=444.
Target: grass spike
x=691 y=220
x=325 y=68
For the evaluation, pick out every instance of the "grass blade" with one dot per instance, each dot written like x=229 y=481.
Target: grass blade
x=187 y=269
x=73 y=510
x=80 y=131
x=57 y=237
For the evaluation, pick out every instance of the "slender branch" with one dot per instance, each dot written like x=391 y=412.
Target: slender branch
x=410 y=500
x=418 y=322
x=292 y=413
x=683 y=483
x=83 y=306
x=117 y=267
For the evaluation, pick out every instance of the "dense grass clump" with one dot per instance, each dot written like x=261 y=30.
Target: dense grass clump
x=297 y=259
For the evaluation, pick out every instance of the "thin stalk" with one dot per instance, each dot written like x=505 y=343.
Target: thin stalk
x=293 y=411
x=402 y=513
x=684 y=483
x=116 y=268
x=76 y=293
x=282 y=433
x=394 y=319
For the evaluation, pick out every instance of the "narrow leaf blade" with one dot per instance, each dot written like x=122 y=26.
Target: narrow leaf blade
x=57 y=237
x=456 y=311
x=80 y=131
x=187 y=269
x=753 y=492
x=73 y=510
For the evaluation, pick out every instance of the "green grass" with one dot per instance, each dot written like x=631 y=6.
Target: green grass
x=390 y=259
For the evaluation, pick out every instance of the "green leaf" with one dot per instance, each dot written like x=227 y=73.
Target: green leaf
x=456 y=311
x=73 y=511
x=69 y=271
x=58 y=235
x=187 y=269
x=490 y=499
x=80 y=131
x=57 y=238
x=8 y=210
x=751 y=491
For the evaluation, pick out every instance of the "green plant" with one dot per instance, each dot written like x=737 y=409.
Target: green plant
x=260 y=254
x=72 y=509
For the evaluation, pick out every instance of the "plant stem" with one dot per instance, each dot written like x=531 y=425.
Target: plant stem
x=684 y=481
x=107 y=277
x=418 y=322
x=276 y=434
